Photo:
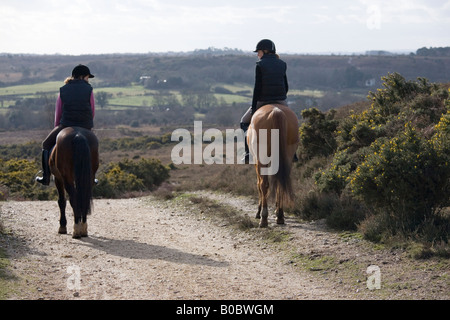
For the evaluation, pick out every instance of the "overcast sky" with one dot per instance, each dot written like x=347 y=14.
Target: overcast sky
x=140 y=26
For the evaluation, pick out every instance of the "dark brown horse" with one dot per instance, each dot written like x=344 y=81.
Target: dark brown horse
x=74 y=162
x=273 y=135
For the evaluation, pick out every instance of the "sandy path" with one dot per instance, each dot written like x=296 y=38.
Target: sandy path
x=138 y=249
x=145 y=248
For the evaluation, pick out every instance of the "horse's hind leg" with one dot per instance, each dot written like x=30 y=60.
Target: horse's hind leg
x=77 y=223
x=280 y=216
x=83 y=231
x=62 y=207
x=79 y=227
x=279 y=211
x=258 y=214
x=263 y=223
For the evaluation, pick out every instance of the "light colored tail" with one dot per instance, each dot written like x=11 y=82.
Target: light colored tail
x=280 y=183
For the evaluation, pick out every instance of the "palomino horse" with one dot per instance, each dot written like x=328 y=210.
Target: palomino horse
x=265 y=120
x=74 y=162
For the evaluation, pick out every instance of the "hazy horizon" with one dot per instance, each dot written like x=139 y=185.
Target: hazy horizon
x=395 y=52
x=81 y=27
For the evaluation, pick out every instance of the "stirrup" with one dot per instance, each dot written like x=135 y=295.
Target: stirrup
x=246 y=158
x=43 y=180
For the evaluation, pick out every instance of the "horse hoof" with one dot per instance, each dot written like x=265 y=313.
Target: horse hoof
x=263 y=224
x=79 y=235
x=62 y=230
x=80 y=230
x=76 y=236
x=280 y=221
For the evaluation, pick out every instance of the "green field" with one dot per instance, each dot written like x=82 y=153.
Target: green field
x=135 y=95
x=131 y=96
x=31 y=89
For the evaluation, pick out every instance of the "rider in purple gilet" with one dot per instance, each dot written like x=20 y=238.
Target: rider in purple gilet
x=75 y=107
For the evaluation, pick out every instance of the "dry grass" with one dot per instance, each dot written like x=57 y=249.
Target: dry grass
x=227 y=215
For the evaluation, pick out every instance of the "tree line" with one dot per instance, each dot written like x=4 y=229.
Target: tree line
x=203 y=68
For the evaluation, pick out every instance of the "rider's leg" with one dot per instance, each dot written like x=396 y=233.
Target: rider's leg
x=245 y=123
x=47 y=145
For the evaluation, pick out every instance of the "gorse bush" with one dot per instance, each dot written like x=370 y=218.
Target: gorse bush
x=150 y=171
x=335 y=178
x=17 y=181
x=317 y=133
x=115 y=182
x=128 y=176
x=394 y=157
x=17 y=174
x=405 y=176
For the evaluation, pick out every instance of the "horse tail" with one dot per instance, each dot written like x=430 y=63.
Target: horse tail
x=83 y=173
x=281 y=183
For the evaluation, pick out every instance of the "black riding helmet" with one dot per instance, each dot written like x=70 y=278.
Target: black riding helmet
x=81 y=71
x=266 y=44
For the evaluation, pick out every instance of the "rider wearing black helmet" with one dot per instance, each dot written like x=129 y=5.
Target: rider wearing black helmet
x=75 y=106
x=271 y=85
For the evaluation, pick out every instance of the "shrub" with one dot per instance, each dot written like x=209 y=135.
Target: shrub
x=28 y=150
x=115 y=182
x=405 y=176
x=317 y=133
x=4 y=193
x=334 y=178
x=340 y=212
x=375 y=227
x=150 y=171
x=17 y=181
x=127 y=176
x=395 y=158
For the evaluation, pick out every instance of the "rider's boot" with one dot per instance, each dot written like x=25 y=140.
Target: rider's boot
x=45 y=179
x=246 y=158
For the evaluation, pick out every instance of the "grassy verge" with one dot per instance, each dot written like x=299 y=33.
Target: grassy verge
x=219 y=213
x=6 y=278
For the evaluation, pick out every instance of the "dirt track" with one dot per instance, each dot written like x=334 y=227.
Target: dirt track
x=152 y=249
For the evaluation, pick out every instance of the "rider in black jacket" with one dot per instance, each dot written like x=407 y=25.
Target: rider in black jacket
x=75 y=106
x=271 y=85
